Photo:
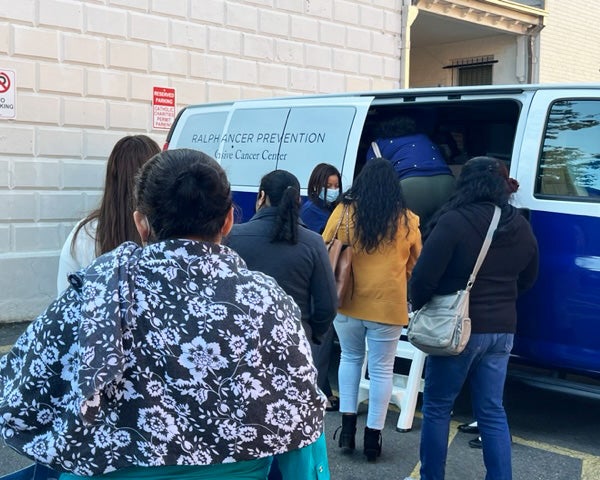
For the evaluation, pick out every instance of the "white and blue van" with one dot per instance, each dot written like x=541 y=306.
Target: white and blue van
x=549 y=135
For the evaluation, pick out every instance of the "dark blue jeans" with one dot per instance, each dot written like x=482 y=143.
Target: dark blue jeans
x=483 y=362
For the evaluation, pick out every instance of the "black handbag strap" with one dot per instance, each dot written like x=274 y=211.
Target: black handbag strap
x=485 y=247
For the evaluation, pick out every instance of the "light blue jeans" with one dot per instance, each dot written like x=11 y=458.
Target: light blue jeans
x=382 y=340
x=484 y=362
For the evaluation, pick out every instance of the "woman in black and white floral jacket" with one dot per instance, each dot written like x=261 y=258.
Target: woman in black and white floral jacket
x=173 y=356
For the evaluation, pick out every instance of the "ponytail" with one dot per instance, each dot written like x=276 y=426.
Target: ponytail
x=283 y=190
x=288 y=211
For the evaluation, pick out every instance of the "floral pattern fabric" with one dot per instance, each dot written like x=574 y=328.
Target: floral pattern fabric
x=174 y=354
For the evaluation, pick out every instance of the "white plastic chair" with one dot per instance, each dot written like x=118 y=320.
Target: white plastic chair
x=406 y=387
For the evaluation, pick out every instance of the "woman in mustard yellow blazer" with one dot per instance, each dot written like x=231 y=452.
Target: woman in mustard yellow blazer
x=386 y=242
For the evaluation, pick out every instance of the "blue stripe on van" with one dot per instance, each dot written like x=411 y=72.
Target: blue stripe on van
x=559 y=319
x=244 y=205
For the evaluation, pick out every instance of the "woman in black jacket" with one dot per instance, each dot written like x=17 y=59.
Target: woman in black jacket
x=453 y=241
x=276 y=243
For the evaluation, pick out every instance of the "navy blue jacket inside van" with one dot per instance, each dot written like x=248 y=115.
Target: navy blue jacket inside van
x=449 y=254
x=412 y=156
x=302 y=270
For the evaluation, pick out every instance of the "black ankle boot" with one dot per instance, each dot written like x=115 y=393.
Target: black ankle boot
x=346 y=441
x=372 y=444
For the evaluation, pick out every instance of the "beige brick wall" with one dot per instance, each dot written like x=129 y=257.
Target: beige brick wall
x=85 y=72
x=570 y=42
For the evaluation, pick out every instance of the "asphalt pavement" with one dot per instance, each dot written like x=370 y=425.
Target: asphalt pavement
x=556 y=436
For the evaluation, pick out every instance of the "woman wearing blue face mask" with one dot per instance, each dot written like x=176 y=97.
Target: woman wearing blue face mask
x=324 y=188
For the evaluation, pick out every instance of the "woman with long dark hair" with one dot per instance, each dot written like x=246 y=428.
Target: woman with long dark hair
x=453 y=241
x=384 y=234
x=324 y=189
x=274 y=242
x=111 y=223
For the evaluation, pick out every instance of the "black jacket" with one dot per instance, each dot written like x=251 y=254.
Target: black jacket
x=302 y=270
x=450 y=252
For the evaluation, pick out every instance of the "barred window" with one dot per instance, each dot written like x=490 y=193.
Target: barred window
x=473 y=70
x=480 y=75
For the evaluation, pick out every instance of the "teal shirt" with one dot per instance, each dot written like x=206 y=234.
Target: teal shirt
x=308 y=463
x=248 y=470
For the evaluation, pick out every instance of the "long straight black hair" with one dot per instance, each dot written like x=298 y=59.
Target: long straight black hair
x=283 y=190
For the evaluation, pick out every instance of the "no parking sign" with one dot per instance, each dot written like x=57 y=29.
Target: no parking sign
x=8 y=108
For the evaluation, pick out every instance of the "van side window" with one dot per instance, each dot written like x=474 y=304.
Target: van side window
x=259 y=140
x=570 y=160
x=202 y=131
x=250 y=144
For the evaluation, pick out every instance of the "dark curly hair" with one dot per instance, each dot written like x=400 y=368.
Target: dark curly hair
x=318 y=179
x=183 y=192
x=378 y=204
x=482 y=179
x=283 y=190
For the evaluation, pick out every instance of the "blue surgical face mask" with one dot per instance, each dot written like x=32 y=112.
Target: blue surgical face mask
x=331 y=195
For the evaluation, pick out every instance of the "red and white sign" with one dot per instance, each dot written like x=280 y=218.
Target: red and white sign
x=163 y=107
x=8 y=107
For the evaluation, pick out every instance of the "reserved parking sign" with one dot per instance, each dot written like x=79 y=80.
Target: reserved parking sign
x=163 y=107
